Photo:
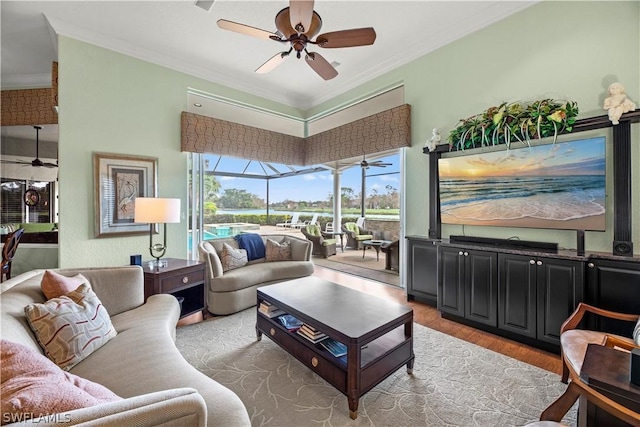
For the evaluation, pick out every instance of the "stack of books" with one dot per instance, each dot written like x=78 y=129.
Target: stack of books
x=269 y=309
x=311 y=333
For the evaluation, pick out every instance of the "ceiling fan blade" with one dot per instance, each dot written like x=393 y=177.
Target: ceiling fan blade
x=49 y=165
x=321 y=65
x=15 y=162
x=347 y=38
x=246 y=30
x=301 y=12
x=272 y=63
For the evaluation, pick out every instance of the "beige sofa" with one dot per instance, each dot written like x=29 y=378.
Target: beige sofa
x=140 y=364
x=235 y=290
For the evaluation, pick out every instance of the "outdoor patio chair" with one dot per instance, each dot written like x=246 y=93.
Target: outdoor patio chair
x=313 y=220
x=356 y=235
x=290 y=223
x=325 y=246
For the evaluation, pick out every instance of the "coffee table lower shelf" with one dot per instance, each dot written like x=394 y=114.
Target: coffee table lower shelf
x=354 y=374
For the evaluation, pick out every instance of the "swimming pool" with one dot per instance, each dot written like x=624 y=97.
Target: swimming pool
x=206 y=236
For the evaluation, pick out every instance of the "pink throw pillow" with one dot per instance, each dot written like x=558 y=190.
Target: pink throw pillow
x=33 y=386
x=55 y=285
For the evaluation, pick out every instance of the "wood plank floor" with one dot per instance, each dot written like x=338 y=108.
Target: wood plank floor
x=430 y=317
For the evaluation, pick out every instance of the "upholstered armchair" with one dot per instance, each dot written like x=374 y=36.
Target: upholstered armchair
x=321 y=245
x=573 y=345
x=392 y=251
x=356 y=235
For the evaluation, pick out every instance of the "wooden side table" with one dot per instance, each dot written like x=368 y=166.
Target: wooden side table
x=607 y=370
x=180 y=278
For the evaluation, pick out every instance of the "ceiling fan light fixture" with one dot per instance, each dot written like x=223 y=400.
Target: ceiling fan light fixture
x=297 y=25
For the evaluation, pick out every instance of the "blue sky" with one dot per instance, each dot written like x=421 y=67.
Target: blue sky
x=581 y=157
x=310 y=187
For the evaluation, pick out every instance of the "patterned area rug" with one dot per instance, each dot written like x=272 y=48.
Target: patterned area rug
x=454 y=383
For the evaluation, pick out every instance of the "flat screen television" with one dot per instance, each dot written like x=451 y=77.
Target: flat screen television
x=552 y=186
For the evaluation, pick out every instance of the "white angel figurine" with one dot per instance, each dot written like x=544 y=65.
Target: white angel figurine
x=434 y=140
x=617 y=102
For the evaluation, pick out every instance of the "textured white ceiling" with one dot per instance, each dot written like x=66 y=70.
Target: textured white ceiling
x=181 y=36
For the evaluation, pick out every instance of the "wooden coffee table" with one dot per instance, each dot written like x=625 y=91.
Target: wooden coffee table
x=378 y=333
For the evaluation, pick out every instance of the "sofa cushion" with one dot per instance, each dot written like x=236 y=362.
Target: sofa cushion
x=277 y=251
x=55 y=285
x=232 y=258
x=33 y=385
x=255 y=274
x=71 y=327
x=353 y=227
x=574 y=343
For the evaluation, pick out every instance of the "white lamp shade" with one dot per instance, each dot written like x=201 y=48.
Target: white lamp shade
x=154 y=210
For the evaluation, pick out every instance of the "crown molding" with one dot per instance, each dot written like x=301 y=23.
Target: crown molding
x=26 y=81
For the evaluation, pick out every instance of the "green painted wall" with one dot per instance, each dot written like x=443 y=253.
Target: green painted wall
x=564 y=50
x=113 y=103
x=561 y=50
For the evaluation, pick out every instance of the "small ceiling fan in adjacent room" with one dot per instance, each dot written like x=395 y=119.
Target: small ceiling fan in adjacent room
x=297 y=25
x=35 y=162
x=376 y=163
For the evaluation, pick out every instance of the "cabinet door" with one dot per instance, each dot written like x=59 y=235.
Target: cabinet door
x=451 y=281
x=560 y=285
x=481 y=286
x=613 y=285
x=422 y=277
x=517 y=294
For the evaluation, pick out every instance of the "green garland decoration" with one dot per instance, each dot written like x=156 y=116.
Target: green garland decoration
x=513 y=122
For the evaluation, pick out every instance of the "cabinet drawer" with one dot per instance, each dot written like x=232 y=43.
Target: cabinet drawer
x=177 y=281
x=314 y=360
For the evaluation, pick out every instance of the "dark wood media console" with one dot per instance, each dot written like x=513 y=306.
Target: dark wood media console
x=525 y=293
x=520 y=293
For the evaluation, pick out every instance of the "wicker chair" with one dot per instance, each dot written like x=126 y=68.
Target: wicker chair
x=392 y=251
x=321 y=245
x=356 y=235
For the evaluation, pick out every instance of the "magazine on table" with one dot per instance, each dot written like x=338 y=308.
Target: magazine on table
x=334 y=347
x=290 y=322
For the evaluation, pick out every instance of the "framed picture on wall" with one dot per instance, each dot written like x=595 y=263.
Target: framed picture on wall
x=118 y=180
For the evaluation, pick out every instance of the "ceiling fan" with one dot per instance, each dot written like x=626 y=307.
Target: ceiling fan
x=377 y=163
x=297 y=25
x=35 y=162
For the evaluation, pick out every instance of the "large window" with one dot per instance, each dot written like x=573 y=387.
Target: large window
x=39 y=208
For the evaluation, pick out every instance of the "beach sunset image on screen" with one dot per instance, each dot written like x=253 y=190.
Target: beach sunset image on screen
x=559 y=186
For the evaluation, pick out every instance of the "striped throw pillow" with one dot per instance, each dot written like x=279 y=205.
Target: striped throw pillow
x=71 y=327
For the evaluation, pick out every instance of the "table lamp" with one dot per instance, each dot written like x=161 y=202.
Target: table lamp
x=155 y=210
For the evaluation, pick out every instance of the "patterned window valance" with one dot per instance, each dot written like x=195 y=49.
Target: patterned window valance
x=373 y=134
